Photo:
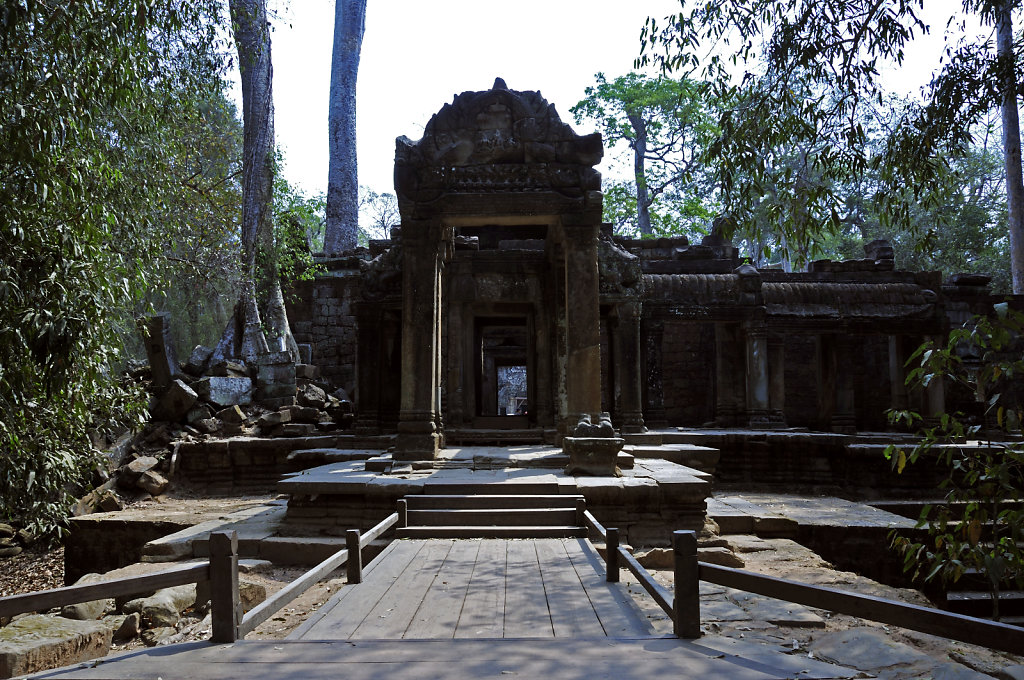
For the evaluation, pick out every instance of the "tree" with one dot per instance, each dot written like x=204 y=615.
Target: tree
x=380 y=213
x=666 y=123
x=981 y=524
x=244 y=335
x=836 y=47
x=80 y=85
x=342 y=177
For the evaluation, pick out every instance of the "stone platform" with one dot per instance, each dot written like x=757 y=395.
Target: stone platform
x=651 y=498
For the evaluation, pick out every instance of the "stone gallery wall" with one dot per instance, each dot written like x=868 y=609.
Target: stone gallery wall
x=321 y=313
x=688 y=372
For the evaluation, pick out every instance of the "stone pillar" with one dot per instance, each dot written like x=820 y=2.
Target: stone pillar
x=628 y=389
x=756 y=365
x=583 y=322
x=418 y=436
x=543 y=409
x=729 y=388
x=777 y=381
x=653 y=331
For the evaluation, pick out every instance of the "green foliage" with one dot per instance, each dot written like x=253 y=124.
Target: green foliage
x=84 y=90
x=666 y=125
x=299 y=226
x=981 y=524
x=804 y=117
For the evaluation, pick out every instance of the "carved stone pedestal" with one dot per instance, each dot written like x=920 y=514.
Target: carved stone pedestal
x=593 y=455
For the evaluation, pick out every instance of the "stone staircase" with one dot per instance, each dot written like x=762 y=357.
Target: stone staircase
x=523 y=515
x=672 y=446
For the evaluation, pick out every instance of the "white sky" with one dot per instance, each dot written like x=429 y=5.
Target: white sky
x=418 y=54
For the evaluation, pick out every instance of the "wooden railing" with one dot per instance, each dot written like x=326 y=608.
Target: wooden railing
x=683 y=606
x=221 y=571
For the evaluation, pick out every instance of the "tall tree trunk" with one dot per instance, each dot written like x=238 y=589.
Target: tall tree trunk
x=643 y=201
x=252 y=37
x=1011 y=144
x=342 y=178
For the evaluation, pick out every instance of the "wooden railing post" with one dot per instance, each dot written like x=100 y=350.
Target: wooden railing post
x=225 y=608
x=611 y=551
x=355 y=556
x=581 y=510
x=403 y=513
x=686 y=603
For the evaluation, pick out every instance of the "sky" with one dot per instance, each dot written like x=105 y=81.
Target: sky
x=417 y=55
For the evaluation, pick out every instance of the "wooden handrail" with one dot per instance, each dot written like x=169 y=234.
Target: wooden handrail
x=683 y=607
x=661 y=594
x=968 y=629
x=274 y=604
x=101 y=590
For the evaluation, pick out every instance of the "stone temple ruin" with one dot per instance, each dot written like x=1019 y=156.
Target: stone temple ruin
x=501 y=260
x=504 y=340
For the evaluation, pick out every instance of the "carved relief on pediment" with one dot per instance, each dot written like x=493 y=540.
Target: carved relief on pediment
x=496 y=140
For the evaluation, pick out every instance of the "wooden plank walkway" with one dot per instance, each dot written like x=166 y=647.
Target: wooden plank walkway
x=466 y=609
x=488 y=588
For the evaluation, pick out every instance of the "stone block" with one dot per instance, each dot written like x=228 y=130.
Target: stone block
x=87 y=611
x=305 y=353
x=312 y=396
x=129 y=474
x=176 y=402
x=592 y=455
x=228 y=369
x=231 y=414
x=198 y=360
x=274 y=418
x=307 y=371
x=36 y=643
x=153 y=483
x=224 y=391
x=164 y=607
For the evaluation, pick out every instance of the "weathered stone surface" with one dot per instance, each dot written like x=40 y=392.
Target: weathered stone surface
x=87 y=611
x=232 y=414
x=307 y=371
x=198 y=412
x=721 y=556
x=274 y=418
x=311 y=395
x=302 y=414
x=153 y=482
x=6 y=530
x=592 y=455
x=228 y=369
x=130 y=473
x=175 y=403
x=128 y=627
x=207 y=425
x=35 y=643
x=10 y=551
x=155 y=636
x=164 y=607
x=224 y=391
x=866 y=649
x=198 y=360
x=296 y=430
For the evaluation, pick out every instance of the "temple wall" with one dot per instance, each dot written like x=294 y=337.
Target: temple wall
x=321 y=314
x=688 y=356
x=801 y=381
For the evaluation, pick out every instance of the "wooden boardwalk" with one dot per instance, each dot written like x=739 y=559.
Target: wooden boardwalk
x=468 y=609
x=486 y=588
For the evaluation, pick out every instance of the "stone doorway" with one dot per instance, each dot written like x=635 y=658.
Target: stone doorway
x=503 y=366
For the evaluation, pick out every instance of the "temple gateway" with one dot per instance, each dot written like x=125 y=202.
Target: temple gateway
x=503 y=309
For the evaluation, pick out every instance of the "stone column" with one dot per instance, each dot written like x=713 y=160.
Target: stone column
x=583 y=322
x=418 y=437
x=756 y=364
x=729 y=398
x=543 y=408
x=777 y=381
x=653 y=331
x=629 y=388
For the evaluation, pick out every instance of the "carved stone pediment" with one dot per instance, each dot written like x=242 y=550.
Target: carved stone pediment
x=499 y=140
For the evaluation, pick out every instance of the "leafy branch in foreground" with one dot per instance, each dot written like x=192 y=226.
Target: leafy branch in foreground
x=980 y=525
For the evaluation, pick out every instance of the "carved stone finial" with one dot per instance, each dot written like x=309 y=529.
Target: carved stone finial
x=499 y=84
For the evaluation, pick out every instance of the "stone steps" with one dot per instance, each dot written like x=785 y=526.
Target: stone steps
x=492 y=516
